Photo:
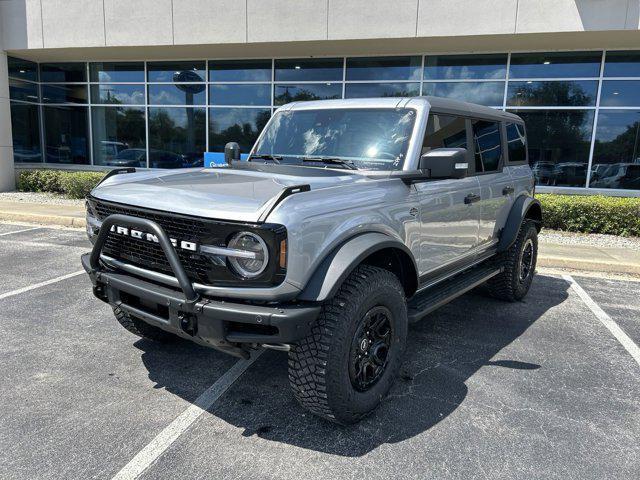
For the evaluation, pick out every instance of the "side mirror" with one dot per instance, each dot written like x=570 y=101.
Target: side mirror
x=231 y=152
x=445 y=163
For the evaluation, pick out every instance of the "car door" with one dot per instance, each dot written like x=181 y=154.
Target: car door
x=450 y=214
x=495 y=182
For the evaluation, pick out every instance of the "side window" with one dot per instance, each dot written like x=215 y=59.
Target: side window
x=516 y=143
x=486 y=145
x=444 y=131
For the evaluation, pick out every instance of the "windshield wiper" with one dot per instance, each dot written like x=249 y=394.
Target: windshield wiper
x=266 y=156
x=333 y=161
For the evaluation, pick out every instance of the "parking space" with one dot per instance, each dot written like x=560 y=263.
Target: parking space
x=538 y=389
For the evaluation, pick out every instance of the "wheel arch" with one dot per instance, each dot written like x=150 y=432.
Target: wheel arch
x=370 y=248
x=524 y=207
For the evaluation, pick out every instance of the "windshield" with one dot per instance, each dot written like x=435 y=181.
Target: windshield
x=369 y=138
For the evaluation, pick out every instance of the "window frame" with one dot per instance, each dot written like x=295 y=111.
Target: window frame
x=501 y=162
x=505 y=140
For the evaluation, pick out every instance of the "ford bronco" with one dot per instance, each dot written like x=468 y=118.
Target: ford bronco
x=349 y=220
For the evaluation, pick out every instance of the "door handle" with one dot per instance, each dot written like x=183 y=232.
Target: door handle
x=471 y=198
x=508 y=190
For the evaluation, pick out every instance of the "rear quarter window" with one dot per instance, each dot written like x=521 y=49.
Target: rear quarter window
x=516 y=143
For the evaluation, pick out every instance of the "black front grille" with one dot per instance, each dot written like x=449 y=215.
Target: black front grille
x=148 y=254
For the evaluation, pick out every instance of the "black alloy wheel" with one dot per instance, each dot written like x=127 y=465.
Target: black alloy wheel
x=370 y=348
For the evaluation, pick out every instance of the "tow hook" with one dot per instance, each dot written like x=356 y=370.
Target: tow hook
x=188 y=323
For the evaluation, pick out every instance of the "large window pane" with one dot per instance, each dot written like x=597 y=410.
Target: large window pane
x=620 y=93
x=175 y=71
x=177 y=94
x=117 y=94
x=25 y=127
x=240 y=70
x=312 y=91
x=555 y=65
x=572 y=93
x=370 y=90
x=23 y=69
x=454 y=67
x=66 y=139
x=242 y=125
x=238 y=94
x=559 y=142
x=616 y=155
x=484 y=93
x=176 y=137
x=63 y=72
x=622 y=64
x=25 y=91
x=301 y=70
x=119 y=136
x=116 y=72
x=384 y=68
x=64 y=93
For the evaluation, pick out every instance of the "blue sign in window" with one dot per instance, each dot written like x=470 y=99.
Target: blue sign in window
x=216 y=159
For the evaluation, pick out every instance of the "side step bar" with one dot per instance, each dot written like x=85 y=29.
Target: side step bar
x=426 y=302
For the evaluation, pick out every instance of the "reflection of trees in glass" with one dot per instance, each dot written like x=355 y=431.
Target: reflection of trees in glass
x=566 y=94
x=300 y=94
x=245 y=133
x=558 y=144
x=625 y=148
x=168 y=132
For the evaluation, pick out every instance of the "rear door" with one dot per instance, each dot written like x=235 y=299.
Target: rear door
x=449 y=221
x=495 y=182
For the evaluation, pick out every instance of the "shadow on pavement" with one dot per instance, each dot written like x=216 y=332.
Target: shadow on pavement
x=444 y=350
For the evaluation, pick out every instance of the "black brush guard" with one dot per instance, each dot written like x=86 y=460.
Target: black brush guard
x=228 y=326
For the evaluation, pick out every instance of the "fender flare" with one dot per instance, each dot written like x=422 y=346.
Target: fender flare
x=337 y=266
x=519 y=211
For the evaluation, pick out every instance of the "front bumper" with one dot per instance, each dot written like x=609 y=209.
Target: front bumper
x=227 y=326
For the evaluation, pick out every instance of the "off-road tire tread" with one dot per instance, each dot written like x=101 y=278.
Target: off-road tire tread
x=140 y=328
x=308 y=358
x=502 y=286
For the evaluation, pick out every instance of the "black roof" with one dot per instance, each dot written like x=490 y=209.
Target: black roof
x=448 y=105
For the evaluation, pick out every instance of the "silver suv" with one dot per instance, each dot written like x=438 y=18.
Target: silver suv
x=350 y=220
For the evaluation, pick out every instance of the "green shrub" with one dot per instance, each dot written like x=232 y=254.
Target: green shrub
x=79 y=184
x=70 y=184
x=591 y=214
x=40 y=181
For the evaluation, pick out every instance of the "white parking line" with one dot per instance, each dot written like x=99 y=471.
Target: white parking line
x=41 y=284
x=20 y=231
x=150 y=453
x=606 y=320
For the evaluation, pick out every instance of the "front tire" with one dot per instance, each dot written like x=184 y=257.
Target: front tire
x=347 y=363
x=519 y=265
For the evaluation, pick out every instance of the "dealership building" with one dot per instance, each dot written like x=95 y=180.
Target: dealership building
x=92 y=84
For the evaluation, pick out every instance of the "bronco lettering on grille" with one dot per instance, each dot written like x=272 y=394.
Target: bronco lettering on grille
x=130 y=232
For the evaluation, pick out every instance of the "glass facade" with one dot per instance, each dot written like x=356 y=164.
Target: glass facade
x=582 y=109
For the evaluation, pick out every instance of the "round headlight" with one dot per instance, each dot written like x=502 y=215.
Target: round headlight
x=257 y=258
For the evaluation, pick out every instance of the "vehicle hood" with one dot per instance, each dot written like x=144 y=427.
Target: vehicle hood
x=226 y=194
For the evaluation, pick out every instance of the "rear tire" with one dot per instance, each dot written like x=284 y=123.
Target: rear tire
x=141 y=328
x=519 y=265
x=347 y=363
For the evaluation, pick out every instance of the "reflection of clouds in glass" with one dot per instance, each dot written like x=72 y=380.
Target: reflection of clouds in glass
x=104 y=77
x=122 y=94
x=484 y=93
x=613 y=124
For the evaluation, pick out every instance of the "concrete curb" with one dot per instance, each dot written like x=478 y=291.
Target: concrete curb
x=588 y=265
x=59 y=220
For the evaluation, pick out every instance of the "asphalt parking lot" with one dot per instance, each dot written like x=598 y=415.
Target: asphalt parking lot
x=538 y=389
